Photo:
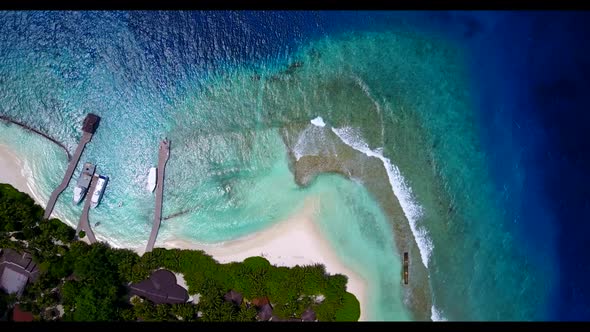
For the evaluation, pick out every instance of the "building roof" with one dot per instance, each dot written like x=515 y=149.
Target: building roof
x=16 y=270
x=160 y=287
x=233 y=297
x=265 y=313
x=308 y=316
x=21 y=316
x=90 y=123
x=13 y=281
x=260 y=301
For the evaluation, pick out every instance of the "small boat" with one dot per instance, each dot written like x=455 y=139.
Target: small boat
x=99 y=190
x=151 y=183
x=406 y=266
x=83 y=182
x=79 y=193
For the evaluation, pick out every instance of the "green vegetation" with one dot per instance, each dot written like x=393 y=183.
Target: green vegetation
x=5 y=301
x=90 y=280
x=350 y=311
x=82 y=234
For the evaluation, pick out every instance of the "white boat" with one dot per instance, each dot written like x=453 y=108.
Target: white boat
x=83 y=182
x=99 y=190
x=151 y=183
x=79 y=193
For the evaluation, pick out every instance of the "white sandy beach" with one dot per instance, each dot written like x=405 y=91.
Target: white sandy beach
x=11 y=170
x=295 y=241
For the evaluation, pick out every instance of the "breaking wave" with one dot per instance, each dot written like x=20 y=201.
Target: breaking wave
x=402 y=191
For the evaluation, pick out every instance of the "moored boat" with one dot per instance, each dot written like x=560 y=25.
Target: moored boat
x=152 y=179
x=99 y=190
x=83 y=182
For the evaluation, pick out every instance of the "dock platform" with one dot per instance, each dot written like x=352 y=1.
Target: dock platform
x=84 y=224
x=89 y=127
x=163 y=155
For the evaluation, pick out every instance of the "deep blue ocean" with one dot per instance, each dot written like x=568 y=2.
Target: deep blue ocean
x=527 y=75
x=532 y=76
x=537 y=79
x=531 y=72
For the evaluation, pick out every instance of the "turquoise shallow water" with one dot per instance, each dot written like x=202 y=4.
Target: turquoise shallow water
x=405 y=97
x=228 y=175
x=351 y=220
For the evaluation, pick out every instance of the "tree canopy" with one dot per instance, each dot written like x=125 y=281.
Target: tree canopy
x=91 y=281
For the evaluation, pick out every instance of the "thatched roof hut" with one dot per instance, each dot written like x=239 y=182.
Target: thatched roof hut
x=160 y=287
x=233 y=297
x=265 y=313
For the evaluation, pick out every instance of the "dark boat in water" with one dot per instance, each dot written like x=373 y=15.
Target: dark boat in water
x=406 y=265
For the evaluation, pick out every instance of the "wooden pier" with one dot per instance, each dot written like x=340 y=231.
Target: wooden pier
x=89 y=127
x=84 y=224
x=163 y=155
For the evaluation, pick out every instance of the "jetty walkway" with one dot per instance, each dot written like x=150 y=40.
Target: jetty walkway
x=163 y=155
x=84 y=224
x=89 y=127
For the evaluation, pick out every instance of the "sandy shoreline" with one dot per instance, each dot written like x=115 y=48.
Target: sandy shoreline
x=11 y=170
x=295 y=241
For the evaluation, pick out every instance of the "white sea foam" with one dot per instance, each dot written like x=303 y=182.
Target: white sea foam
x=313 y=142
x=402 y=191
x=436 y=315
x=319 y=122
